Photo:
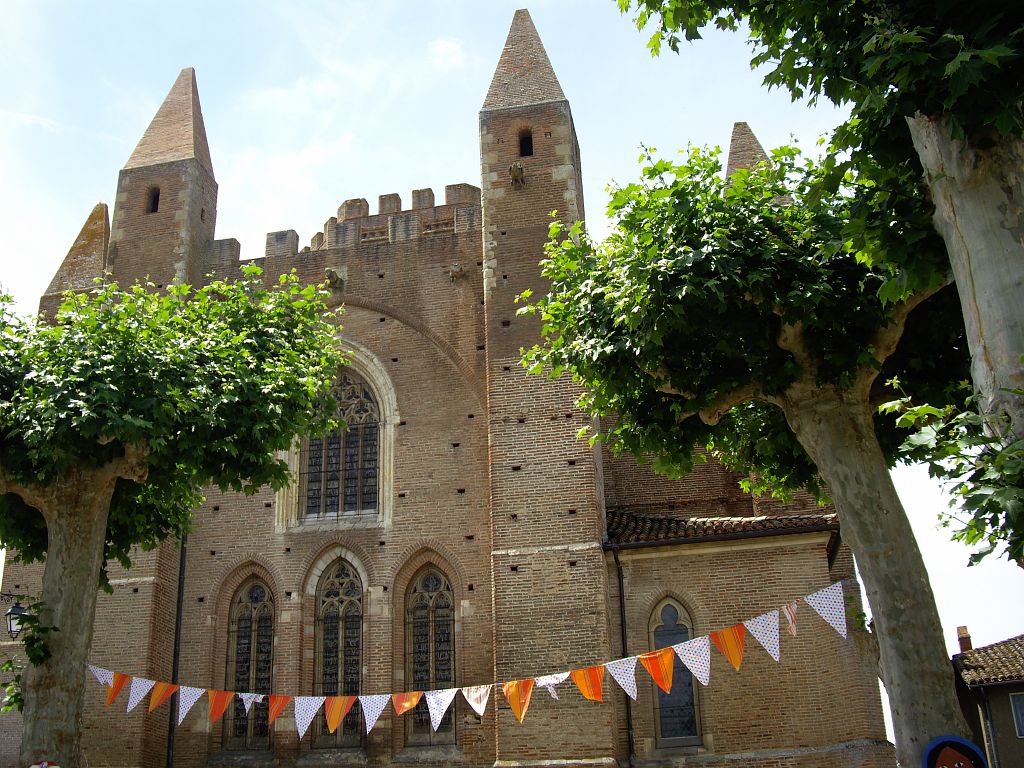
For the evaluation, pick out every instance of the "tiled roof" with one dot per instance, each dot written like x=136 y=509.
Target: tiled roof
x=997 y=663
x=628 y=527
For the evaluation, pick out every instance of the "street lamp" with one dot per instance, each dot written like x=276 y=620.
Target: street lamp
x=15 y=614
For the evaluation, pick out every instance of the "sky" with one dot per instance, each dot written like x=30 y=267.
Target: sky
x=307 y=104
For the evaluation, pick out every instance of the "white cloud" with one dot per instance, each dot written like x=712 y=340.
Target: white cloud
x=28 y=120
x=446 y=54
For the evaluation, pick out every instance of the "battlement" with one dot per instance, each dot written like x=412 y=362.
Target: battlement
x=354 y=225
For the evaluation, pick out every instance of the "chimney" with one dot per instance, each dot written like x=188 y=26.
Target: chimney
x=964 y=638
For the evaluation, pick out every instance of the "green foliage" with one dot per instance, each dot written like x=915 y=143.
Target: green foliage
x=33 y=636
x=981 y=465
x=11 y=690
x=208 y=382
x=674 y=322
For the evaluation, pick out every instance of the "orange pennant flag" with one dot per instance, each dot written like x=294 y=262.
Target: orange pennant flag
x=590 y=681
x=336 y=708
x=276 y=706
x=120 y=679
x=659 y=665
x=518 y=693
x=161 y=693
x=730 y=642
x=403 y=702
x=219 y=701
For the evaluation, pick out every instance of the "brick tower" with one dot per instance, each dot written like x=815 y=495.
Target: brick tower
x=547 y=512
x=166 y=204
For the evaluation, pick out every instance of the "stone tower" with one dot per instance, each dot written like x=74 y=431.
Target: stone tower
x=546 y=545
x=166 y=205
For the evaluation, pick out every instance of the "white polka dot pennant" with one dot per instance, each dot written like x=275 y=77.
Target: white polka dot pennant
x=248 y=699
x=696 y=655
x=306 y=708
x=372 y=707
x=829 y=604
x=766 y=629
x=140 y=687
x=104 y=676
x=550 y=682
x=477 y=695
x=438 y=703
x=623 y=672
x=187 y=696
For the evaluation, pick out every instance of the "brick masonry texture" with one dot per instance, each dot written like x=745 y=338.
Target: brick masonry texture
x=489 y=484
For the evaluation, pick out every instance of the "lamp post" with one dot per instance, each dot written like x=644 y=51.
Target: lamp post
x=14 y=613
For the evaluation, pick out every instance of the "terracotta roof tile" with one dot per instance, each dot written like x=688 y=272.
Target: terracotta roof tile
x=997 y=663
x=626 y=526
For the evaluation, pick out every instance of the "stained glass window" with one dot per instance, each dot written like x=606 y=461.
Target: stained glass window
x=430 y=652
x=250 y=665
x=676 y=711
x=340 y=470
x=339 y=622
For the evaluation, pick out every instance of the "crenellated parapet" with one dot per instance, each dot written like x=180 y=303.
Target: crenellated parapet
x=354 y=226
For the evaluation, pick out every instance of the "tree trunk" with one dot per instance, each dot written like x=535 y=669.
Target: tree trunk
x=76 y=521
x=836 y=429
x=979 y=211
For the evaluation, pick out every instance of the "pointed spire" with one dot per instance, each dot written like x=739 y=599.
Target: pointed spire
x=745 y=151
x=177 y=131
x=524 y=74
x=85 y=259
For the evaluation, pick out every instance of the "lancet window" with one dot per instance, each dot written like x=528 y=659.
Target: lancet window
x=250 y=664
x=676 y=715
x=339 y=625
x=430 y=652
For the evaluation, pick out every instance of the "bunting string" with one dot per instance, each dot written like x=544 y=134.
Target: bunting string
x=695 y=655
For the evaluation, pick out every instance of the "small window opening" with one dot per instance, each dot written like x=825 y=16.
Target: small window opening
x=526 y=143
x=153 y=200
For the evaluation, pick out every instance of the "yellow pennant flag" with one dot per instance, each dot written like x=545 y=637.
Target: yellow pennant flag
x=403 y=702
x=161 y=693
x=590 y=681
x=336 y=707
x=730 y=642
x=518 y=693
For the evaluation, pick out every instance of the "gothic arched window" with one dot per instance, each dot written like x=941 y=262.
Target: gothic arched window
x=676 y=722
x=339 y=625
x=340 y=469
x=250 y=664
x=430 y=652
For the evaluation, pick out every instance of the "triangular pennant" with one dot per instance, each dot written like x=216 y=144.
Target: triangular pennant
x=116 y=685
x=372 y=707
x=275 y=706
x=659 y=665
x=829 y=604
x=551 y=681
x=248 y=699
x=161 y=693
x=306 y=708
x=477 y=696
x=438 y=703
x=518 y=693
x=789 y=611
x=623 y=672
x=403 y=702
x=730 y=642
x=219 y=701
x=187 y=697
x=696 y=656
x=140 y=687
x=590 y=681
x=336 y=707
x=104 y=676
x=765 y=628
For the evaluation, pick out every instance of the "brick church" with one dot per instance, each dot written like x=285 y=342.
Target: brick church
x=457 y=533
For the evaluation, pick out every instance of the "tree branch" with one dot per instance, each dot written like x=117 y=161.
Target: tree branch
x=30 y=494
x=713 y=413
x=661 y=376
x=791 y=339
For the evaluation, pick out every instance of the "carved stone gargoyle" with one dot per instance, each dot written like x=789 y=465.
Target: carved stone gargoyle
x=335 y=281
x=456 y=272
x=517 y=173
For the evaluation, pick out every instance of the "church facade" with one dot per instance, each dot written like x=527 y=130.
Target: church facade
x=457 y=532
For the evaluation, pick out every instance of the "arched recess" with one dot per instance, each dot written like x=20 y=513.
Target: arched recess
x=289 y=501
x=677 y=713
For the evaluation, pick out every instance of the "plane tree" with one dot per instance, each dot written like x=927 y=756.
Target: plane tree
x=114 y=416
x=737 y=315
